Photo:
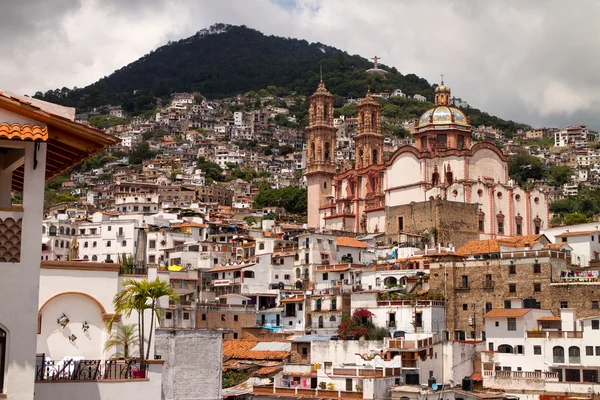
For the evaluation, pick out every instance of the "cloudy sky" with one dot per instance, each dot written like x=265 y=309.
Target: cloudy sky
x=530 y=61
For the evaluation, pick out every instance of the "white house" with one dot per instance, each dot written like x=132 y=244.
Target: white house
x=531 y=349
x=38 y=141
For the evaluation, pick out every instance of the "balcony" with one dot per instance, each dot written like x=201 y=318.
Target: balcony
x=87 y=370
x=555 y=334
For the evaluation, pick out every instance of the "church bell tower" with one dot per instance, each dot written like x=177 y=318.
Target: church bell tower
x=368 y=141
x=320 y=152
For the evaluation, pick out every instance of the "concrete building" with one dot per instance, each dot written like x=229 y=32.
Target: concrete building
x=193 y=363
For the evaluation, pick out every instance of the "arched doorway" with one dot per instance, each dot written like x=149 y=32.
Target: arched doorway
x=2 y=358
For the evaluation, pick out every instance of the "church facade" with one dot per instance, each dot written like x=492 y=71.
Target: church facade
x=443 y=163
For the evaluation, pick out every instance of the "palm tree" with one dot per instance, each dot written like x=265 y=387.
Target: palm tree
x=126 y=336
x=157 y=290
x=135 y=297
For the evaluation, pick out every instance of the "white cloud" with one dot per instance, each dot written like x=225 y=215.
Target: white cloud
x=529 y=61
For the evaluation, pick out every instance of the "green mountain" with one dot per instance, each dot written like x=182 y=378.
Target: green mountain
x=225 y=60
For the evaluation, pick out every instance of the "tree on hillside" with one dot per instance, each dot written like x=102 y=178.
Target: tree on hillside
x=212 y=171
x=293 y=199
x=523 y=166
x=140 y=153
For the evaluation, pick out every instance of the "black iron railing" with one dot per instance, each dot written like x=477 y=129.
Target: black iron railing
x=87 y=370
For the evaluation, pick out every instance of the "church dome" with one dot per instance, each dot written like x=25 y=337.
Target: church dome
x=442 y=88
x=443 y=115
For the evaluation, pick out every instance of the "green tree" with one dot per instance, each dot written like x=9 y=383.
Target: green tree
x=127 y=337
x=293 y=199
x=63 y=198
x=140 y=153
x=156 y=290
x=212 y=171
x=138 y=296
x=523 y=166
x=575 y=218
x=559 y=175
x=233 y=378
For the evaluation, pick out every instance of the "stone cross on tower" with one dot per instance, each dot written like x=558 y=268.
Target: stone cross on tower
x=375 y=59
x=442 y=75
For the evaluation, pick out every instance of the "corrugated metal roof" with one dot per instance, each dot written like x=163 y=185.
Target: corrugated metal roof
x=272 y=346
x=310 y=338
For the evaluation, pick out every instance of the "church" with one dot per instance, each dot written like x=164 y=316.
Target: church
x=442 y=164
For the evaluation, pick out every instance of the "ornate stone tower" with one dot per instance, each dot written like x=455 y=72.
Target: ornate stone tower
x=320 y=152
x=368 y=141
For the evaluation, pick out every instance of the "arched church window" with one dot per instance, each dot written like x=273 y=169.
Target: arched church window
x=373 y=121
x=449 y=176
x=327 y=150
x=424 y=143
x=435 y=178
x=312 y=151
x=519 y=224
x=500 y=219
x=375 y=156
x=361 y=155
x=324 y=185
x=362 y=119
x=460 y=142
x=314 y=113
x=325 y=112
x=442 y=141
x=481 y=216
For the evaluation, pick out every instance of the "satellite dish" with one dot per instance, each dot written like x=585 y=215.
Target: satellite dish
x=434 y=386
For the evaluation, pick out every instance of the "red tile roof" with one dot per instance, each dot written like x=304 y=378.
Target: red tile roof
x=493 y=245
x=507 y=312
x=242 y=350
x=23 y=132
x=350 y=242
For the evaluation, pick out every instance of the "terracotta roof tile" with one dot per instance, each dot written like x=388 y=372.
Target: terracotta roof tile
x=350 y=242
x=507 y=312
x=580 y=233
x=242 y=350
x=493 y=245
x=549 y=319
x=23 y=132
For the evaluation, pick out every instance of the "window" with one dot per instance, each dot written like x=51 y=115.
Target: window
x=223 y=317
x=537 y=287
x=325 y=276
x=286 y=277
x=94 y=244
x=235 y=318
x=520 y=349
x=400 y=224
x=169 y=315
x=332 y=318
x=512 y=269
x=511 y=324
x=299 y=306
x=590 y=375
x=597 y=350
x=497 y=323
x=507 y=304
x=333 y=304
x=596 y=324
x=276 y=276
x=152 y=259
x=318 y=305
x=558 y=355
x=465 y=307
x=85 y=245
x=589 y=350
x=304 y=351
x=512 y=287
x=537 y=350
x=595 y=304
x=94 y=258
x=186 y=315
x=488 y=307
x=261 y=246
x=203 y=317
x=537 y=268
x=124 y=243
x=108 y=243
x=564 y=304
x=109 y=228
x=248 y=274
x=574 y=356
x=152 y=244
x=464 y=281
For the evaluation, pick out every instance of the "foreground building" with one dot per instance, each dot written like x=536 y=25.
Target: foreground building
x=38 y=141
x=444 y=163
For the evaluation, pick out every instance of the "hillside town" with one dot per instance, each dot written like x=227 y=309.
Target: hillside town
x=414 y=268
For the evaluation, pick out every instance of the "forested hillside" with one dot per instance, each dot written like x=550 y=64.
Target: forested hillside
x=225 y=60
